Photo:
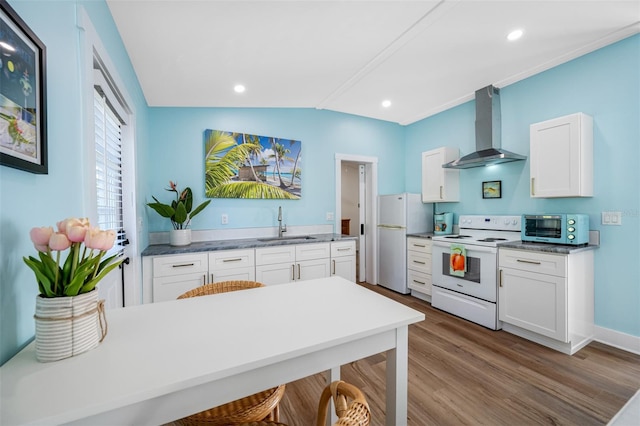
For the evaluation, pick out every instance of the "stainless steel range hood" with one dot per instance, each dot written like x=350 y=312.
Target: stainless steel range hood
x=488 y=134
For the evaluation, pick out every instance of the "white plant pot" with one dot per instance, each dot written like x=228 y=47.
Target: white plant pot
x=180 y=237
x=68 y=326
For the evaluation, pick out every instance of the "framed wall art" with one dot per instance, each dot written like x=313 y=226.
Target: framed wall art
x=492 y=189
x=240 y=165
x=23 y=118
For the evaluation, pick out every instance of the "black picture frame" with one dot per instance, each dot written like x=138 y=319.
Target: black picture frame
x=492 y=189
x=23 y=117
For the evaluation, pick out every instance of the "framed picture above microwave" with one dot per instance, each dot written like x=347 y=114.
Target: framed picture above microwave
x=492 y=189
x=23 y=128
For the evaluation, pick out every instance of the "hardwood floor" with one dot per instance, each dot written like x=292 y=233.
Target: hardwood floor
x=463 y=374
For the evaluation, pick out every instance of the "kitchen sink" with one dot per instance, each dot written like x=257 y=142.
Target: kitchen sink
x=292 y=238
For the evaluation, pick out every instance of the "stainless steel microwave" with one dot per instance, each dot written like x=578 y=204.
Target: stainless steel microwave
x=572 y=229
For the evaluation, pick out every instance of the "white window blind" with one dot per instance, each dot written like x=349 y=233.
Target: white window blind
x=108 y=144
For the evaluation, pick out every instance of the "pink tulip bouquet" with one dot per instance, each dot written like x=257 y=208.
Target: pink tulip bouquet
x=83 y=267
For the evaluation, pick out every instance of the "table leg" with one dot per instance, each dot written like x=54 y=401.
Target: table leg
x=331 y=376
x=397 y=379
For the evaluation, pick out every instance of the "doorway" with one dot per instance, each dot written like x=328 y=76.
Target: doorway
x=356 y=195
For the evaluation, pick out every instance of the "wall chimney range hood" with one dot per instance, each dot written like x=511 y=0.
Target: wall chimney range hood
x=488 y=134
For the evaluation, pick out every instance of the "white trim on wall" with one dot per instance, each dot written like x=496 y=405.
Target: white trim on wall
x=619 y=340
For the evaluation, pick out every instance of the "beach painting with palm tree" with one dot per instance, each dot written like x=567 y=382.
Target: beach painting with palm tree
x=239 y=165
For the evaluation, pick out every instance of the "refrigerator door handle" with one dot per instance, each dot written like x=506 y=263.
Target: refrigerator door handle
x=391 y=226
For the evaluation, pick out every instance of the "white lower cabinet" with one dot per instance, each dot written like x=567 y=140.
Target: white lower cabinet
x=283 y=264
x=419 y=267
x=343 y=259
x=177 y=274
x=547 y=298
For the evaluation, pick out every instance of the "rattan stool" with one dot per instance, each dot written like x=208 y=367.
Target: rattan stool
x=254 y=408
x=351 y=406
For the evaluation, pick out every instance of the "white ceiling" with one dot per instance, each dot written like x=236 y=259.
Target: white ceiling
x=425 y=56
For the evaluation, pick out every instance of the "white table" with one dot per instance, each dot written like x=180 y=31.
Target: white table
x=163 y=361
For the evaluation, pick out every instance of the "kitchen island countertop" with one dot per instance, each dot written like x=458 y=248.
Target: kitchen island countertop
x=244 y=243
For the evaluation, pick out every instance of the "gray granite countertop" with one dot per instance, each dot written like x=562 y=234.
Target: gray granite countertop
x=245 y=243
x=546 y=248
x=427 y=235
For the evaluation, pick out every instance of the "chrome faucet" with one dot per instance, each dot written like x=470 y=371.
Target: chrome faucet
x=281 y=228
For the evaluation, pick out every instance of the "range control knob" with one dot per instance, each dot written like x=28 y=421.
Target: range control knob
x=571 y=221
x=571 y=236
x=571 y=229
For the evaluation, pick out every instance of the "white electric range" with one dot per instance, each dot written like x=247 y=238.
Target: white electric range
x=473 y=295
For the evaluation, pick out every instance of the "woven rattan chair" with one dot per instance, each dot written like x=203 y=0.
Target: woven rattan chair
x=254 y=408
x=351 y=406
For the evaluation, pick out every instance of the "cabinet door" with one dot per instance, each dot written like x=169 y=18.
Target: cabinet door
x=170 y=287
x=345 y=267
x=561 y=163
x=278 y=273
x=312 y=269
x=438 y=184
x=534 y=302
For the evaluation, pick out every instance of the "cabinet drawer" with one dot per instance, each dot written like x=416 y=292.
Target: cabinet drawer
x=419 y=281
x=312 y=251
x=419 y=244
x=346 y=248
x=542 y=263
x=231 y=259
x=272 y=255
x=420 y=262
x=166 y=266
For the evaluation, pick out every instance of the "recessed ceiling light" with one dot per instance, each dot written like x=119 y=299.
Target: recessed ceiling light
x=514 y=35
x=386 y=103
x=239 y=88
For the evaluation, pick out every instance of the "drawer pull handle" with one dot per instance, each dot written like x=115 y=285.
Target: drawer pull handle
x=204 y=279
x=298 y=271
x=419 y=282
x=528 y=261
x=334 y=267
x=420 y=263
x=500 y=279
x=344 y=249
x=293 y=272
x=419 y=245
x=238 y=259
x=182 y=265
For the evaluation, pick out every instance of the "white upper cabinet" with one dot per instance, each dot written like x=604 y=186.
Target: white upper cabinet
x=561 y=159
x=440 y=185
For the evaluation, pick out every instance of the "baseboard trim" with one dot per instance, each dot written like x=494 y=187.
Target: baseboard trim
x=617 y=339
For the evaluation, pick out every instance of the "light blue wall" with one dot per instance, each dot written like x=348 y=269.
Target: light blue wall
x=29 y=200
x=177 y=153
x=604 y=84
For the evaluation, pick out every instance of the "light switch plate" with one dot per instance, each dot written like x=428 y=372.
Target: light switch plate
x=612 y=218
x=329 y=215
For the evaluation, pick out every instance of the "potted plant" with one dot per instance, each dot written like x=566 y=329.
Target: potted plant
x=69 y=318
x=179 y=212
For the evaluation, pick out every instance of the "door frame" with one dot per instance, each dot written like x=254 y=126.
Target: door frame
x=371 y=207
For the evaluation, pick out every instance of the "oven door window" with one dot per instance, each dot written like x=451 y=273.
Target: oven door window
x=544 y=227
x=472 y=273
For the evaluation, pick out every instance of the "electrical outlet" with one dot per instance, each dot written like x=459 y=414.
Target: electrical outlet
x=612 y=218
x=224 y=219
x=329 y=215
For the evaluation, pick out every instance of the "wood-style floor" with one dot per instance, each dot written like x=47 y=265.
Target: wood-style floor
x=463 y=374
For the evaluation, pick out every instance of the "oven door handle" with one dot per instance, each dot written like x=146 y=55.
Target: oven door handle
x=468 y=247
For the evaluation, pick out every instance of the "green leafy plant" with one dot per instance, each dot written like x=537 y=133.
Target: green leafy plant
x=84 y=266
x=180 y=210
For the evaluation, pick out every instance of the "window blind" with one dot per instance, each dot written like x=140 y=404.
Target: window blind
x=108 y=145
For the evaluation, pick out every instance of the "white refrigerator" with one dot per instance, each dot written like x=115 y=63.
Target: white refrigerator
x=399 y=215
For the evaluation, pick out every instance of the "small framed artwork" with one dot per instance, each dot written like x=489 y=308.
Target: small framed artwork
x=492 y=189
x=23 y=126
